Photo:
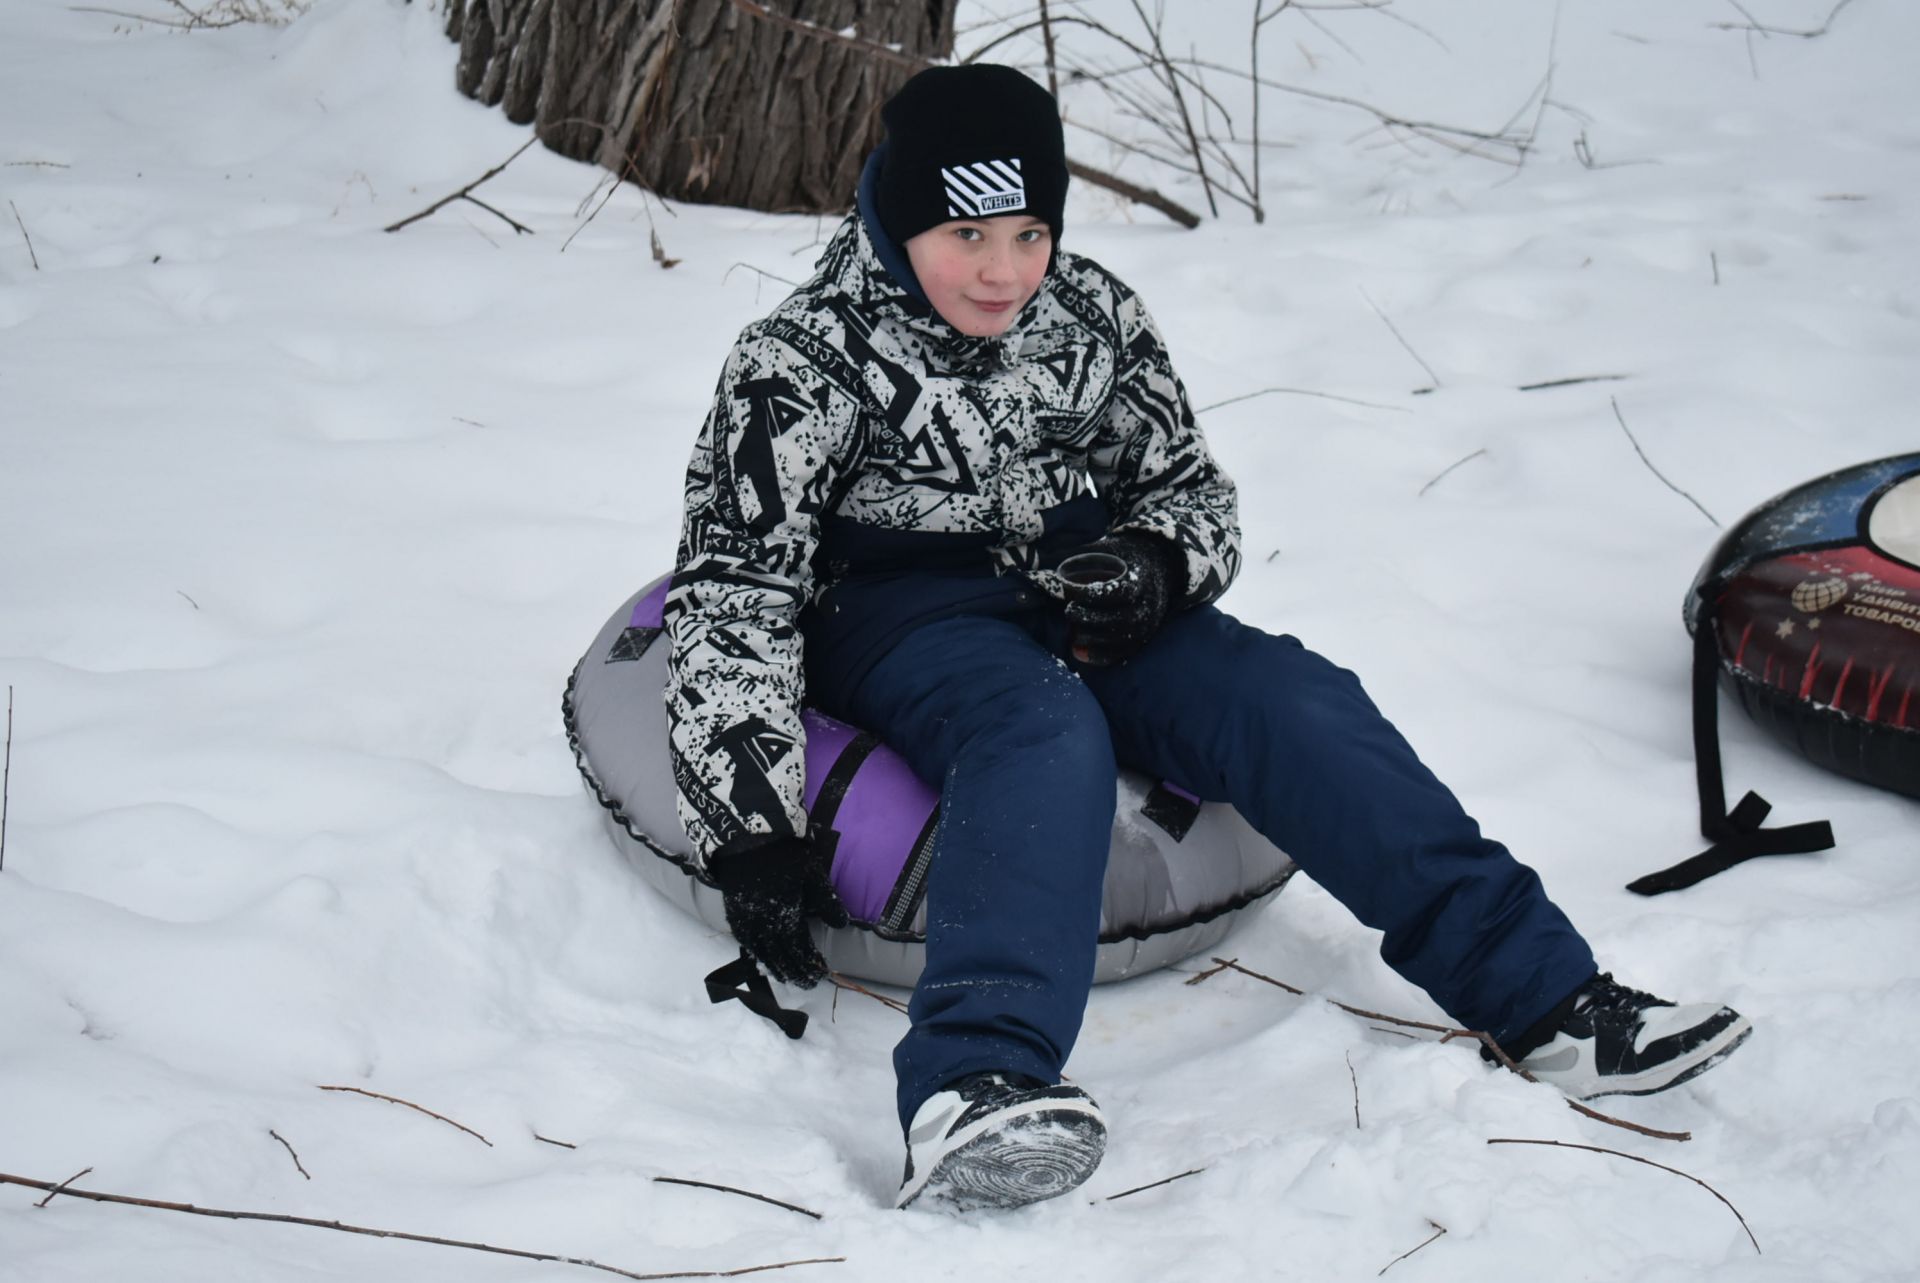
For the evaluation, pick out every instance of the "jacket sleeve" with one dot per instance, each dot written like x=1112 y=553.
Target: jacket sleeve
x=1152 y=466
x=765 y=458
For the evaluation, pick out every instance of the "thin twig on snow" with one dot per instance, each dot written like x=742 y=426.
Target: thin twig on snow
x=1138 y=1189
x=1324 y=396
x=362 y=1091
x=841 y=982
x=62 y=1186
x=290 y=1154
x=728 y=1189
x=1750 y=25
x=1438 y=1230
x=1355 y=1079
x=1449 y=468
x=23 y=233
x=1655 y=471
x=1598 y=1149
x=465 y=193
x=1567 y=383
x=223 y=1214
x=6 y=779
x=1388 y=322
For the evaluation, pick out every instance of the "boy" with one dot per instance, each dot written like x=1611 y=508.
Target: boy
x=896 y=462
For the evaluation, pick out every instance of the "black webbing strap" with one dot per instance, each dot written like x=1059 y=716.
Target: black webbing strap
x=1737 y=836
x=741 y=979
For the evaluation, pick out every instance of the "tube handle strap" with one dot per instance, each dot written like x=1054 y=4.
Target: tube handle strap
x=742 y=981
x=1737 y=835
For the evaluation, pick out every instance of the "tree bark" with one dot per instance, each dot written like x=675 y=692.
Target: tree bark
x=700 y=100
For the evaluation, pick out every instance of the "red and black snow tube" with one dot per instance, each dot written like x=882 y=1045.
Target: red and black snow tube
x=1814 y=600
x=1808 y=611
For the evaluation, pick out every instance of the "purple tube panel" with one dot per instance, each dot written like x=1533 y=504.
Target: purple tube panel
x=885 y=808
x=650 y=610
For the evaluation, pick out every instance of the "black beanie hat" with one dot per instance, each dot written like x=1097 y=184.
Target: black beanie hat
x=975 y=141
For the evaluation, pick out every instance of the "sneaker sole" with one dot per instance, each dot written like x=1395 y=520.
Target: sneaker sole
x=1699 y=1061
x=1034 y=1157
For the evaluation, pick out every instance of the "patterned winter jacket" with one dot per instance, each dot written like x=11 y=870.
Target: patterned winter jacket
x=855 y=437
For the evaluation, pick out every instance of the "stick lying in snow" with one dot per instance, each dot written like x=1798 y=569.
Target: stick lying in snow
x=190 y=1209
x=290 y=1154
x=1449 y=468
x=62 y=1185
x=1655 y=471
x=1140 y=1189
x=1395 y=331
x=1447 y=1034
x=466 y=194
x=1438 y=1230
x=728 y=1189
x=6 y=780
x=23 y=234
x=841 y=982
x=1596 y=1149
x=395 y=1100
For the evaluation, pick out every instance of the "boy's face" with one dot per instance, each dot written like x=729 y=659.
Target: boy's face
x=979 y=272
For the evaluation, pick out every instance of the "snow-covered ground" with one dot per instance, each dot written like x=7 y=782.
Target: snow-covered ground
x=302 y=525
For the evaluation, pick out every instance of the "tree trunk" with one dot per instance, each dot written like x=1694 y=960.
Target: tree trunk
x=701 y=100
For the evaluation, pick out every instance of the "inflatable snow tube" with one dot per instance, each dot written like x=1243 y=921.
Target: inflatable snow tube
x=1815 y=600
x=1181 y=875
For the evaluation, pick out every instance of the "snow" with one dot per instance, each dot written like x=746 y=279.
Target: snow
x=305 y=523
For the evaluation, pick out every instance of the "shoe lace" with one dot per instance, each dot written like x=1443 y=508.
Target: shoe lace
x=1603 y=993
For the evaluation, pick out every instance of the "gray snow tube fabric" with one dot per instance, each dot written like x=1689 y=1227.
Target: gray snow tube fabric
x=1181 y=875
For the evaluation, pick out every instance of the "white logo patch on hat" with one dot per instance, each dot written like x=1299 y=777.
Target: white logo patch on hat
x=991 y=187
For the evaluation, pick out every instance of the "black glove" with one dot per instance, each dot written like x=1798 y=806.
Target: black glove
x=1111 y=622
x=771 y=890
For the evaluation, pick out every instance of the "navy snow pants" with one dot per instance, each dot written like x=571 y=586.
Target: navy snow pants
x=1023 y=749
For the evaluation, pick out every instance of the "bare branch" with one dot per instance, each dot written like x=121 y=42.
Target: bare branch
x=1567 y=383
x=191 y=1210
x=728 y=1189
x=1139 y=1189
x=395 y=1100
x=1355 y=1079
x=21 y=223
x=1324 y=396
x=1597 y=1149
x=1438 y=1230
x=1388 y=322
x=1046 y=36
x=520 y=229
x=872 y=48
x=62 y=1186
x=1655 y=471
x=6 y=778
x=1449 y=468
x=1135 y=193
x=841 y=982
x=290 y=1154
x=464 y=192
x=1751 y=25
x=551 y=1141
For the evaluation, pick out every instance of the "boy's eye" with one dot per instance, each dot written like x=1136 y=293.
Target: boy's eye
x=967 y=233
x=1033 y=234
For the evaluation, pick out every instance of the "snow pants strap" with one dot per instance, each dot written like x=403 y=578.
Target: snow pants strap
x=1737 y=835
x=741 y=980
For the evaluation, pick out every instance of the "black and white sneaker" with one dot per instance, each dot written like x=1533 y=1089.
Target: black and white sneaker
x=1616 y=1041
x=1000 y=1140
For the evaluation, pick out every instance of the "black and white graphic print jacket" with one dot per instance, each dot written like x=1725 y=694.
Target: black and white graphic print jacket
x=854 y=401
